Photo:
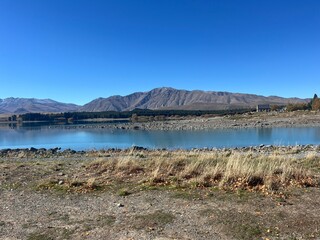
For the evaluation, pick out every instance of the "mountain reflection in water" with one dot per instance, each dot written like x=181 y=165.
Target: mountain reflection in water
x=44 y=136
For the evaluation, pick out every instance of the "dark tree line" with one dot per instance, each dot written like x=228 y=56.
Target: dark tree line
x=78 y=116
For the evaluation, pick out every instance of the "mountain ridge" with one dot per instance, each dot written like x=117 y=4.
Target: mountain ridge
x=170 y=98
x=163 y=98
x=33 y=105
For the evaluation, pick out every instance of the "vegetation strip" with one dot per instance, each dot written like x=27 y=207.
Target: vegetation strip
x=269 y=169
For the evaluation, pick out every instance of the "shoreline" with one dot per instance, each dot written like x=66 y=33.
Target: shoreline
x=44 y=153
x=240 y=121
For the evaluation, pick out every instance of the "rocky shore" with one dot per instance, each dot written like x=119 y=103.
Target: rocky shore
x=253 y=120
x=57 y=153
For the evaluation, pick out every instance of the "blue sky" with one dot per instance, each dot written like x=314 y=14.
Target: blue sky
x=78 y=50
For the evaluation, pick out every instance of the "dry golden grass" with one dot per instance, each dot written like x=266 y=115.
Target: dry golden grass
x=270 y=170
x=223 y=169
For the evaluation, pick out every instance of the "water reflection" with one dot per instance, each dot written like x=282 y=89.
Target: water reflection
x=264 y=134
x=18 y=125
x=86 y=138
x=316 y=134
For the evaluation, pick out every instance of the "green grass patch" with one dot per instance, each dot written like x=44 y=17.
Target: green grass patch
x=106 y=220
x=51 y=185
x=186 y=195
x=154 y=220
x=39 y=236
x=239 y=225
x=51 y=234
x=123 y=192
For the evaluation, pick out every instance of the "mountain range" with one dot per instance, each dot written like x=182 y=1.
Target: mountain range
x=158 y=98
x=27 y=105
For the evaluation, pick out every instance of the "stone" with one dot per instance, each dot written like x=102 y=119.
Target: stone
x=32 y=149
x=138 y=148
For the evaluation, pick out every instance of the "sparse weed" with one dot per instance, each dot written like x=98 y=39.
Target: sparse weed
x=152 y=220
x=225 y=169
x=123 y=192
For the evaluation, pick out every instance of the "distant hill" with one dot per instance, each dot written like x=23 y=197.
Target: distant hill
x=159 y=98
x=170 y=98
x=27 y=105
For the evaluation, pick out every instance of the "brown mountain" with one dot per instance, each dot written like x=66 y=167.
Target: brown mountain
x=170 y=98
x=27 y=105
x=158 y=98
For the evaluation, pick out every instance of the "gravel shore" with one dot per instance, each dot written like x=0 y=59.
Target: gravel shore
x=69 y=154
x=254 y=120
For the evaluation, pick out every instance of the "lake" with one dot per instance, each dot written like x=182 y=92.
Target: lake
x=97 y=138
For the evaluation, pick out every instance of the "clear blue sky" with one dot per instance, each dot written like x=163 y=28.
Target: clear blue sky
x=78 y=50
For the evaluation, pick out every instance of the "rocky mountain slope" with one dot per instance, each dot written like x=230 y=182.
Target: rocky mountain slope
x=170 y=98
x=158 y=98
x=26 y=105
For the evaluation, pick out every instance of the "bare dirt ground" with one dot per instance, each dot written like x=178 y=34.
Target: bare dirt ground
x=54 y=196
x=159 y=214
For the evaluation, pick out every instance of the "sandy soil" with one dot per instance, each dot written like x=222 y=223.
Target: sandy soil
x=158 y=214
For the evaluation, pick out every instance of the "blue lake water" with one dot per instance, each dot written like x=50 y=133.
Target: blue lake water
x=97 y=138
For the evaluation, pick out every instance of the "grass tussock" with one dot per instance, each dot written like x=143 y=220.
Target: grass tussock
x=74 y=185
x=152 y=221
x=226 y=170
x=268 y=172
